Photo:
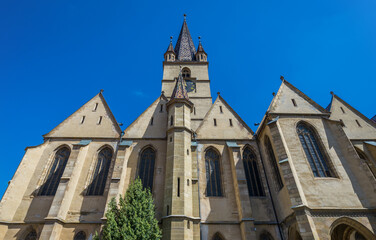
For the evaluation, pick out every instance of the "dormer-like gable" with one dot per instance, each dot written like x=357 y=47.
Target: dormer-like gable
x=222 y=122
x=356 y=125
x=152 y=123
x=290 y=100
x=93 y=120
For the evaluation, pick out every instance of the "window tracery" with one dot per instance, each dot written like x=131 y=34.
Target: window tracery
x=251 y=173
x=213 y=174
x=316 y=158
x=146 y=167
x=99 y=177
x=55 y=172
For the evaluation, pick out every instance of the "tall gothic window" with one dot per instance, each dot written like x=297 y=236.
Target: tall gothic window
x=273 y=163
x=32 y=235
x=81 y=235
x=251 y=173
x=313 y=151
x=99 y=177
x=55 y=172
x=213 y=174
x=146 y=168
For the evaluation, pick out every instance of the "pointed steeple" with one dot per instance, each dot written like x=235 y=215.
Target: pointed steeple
x=184 y=48
x=179 y=91
x=170 y=47
x=201 y=55
x=170 y=55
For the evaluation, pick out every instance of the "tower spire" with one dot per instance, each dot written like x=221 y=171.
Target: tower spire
x=184 y=48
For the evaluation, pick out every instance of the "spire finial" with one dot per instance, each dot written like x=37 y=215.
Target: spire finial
x=170 y=39
x=199 y=39
x=282 y=78
x=185 y=16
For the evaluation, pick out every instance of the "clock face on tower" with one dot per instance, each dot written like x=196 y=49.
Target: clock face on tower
x=190 y=85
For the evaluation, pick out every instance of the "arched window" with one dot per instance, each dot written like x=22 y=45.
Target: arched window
x=55 y=172
x=217 y=236
x=251 y=173
x=32 y=235
x=273 y=163
x=186 y=73
x=81 y=235
x=266 y=236
x=99 y=177
x=313 y=151
x=213 y=174
x=146 y=168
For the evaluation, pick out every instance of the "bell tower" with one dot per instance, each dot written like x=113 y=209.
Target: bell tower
x=194 y=67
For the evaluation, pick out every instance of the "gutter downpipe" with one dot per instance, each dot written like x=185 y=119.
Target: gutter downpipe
x=267 y=183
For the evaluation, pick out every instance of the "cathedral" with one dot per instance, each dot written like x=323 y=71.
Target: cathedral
x=307 y=172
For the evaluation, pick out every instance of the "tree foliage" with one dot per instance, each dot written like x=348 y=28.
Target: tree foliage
x=133 y=218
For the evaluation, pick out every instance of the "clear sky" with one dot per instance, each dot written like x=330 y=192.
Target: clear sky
x=56 y=55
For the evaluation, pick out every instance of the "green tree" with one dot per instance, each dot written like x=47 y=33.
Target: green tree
x=133 y=218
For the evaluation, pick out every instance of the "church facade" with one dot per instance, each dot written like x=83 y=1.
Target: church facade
x=306 y=173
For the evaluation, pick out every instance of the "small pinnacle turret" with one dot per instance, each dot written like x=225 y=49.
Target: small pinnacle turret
x=201 y=55
x=170 y=55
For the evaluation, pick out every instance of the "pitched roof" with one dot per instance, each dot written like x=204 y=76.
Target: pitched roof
x=179 y=91
x=374 y=119
x=184 y=48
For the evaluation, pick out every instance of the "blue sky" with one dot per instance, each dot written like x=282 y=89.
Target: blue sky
x=56 y=55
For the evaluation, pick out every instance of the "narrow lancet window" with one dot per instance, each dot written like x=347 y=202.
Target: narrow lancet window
x=99 y=177
x=213 y=174
x=146 y=167
x=313 y=151
x=252 y=174
x=273 y=163
x=55 y=172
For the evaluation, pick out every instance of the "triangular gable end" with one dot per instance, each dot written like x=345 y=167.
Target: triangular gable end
x=357 y=126
x=93 y=120
x=152 y=123
x=290 y=100
x=222 y=122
